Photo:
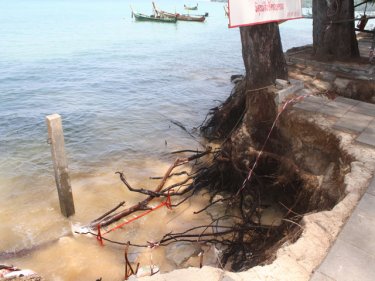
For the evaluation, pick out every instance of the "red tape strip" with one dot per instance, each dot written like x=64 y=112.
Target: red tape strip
x=166 y=203
x=99 y=236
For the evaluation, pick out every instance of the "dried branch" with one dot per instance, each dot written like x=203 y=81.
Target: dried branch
x=109 y=212
x=139 y=190
x=143 y=205
x=171 y=175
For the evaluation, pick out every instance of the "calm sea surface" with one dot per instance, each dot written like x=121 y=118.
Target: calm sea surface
x=117 y=85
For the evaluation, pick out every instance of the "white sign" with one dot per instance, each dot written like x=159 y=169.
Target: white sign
x=251 y=12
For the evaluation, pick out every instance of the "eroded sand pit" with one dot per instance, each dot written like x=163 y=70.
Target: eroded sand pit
x=342 y=168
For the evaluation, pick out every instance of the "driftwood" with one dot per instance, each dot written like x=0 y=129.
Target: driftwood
x=160 y=191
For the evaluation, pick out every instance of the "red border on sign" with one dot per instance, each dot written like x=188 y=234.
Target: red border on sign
x=255 y=23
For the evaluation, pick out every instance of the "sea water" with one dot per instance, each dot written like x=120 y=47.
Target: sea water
x=118 y=85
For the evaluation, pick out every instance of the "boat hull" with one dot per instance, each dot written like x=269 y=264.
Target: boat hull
x=182 y=17
x=191 y=18
x=141 y=17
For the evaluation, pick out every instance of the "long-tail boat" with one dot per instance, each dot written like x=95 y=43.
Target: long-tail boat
x=156 y=17
x=198 y=18
x=182 y=17
x=191 y=8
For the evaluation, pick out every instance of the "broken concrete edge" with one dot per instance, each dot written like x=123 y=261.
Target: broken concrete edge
x=334 y=67
x=292 y=87
x=299 y=260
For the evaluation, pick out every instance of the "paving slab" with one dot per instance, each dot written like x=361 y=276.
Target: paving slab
x=359 y=231
x=364 y=108
x=352 y=257
x=345 y=262
x=368 y=135
x=335 y=108
x=304 y=92
x=308 y=106
x=346 y=100
x=354 y=122
x=317 y=99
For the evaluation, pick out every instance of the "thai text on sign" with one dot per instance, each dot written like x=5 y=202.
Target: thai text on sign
x=251 y=12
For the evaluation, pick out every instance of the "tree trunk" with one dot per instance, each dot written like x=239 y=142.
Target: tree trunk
x=264 y=62
x=262 y=55
x=243 y=165
x=251 y=109
x=334 y=40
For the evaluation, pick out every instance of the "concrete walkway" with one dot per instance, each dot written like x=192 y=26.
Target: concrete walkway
x=351 y=116
x=352 y=256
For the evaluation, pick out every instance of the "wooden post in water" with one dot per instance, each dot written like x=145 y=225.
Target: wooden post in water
x=60 y=164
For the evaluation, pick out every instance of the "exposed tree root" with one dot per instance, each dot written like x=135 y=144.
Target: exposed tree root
x=277 y=176
x=278 y=180
x=160 y=191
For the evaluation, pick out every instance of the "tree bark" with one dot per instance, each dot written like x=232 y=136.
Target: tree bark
x=263 y=55
x=334 y=41
x=246 y=116
x=264 y=62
